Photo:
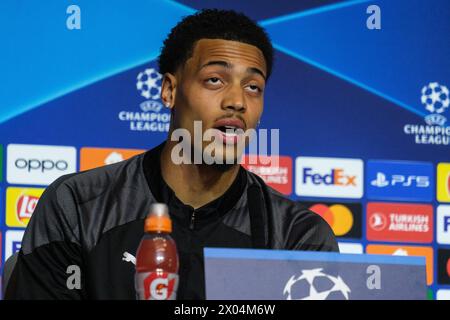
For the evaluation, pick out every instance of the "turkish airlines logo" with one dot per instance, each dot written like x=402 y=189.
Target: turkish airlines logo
x=378 y=221
x=278 y=177
x=399 y=222
x=329 y=177
x=39 y=165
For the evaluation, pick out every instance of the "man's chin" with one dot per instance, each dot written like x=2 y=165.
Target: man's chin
x=223 y=167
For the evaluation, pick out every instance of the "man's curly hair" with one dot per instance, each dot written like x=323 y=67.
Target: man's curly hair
x=212 y=24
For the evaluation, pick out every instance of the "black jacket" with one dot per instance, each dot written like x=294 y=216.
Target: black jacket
x=95 y=220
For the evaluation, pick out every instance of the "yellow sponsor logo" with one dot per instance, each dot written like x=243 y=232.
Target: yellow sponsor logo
x=443 y=182
x=20 y=204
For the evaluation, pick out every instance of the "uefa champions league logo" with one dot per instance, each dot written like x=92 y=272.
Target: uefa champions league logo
x=148 y=83
x=151 y=117
x=436 y=99
x=317 y=284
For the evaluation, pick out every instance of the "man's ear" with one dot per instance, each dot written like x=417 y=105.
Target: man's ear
x=168 y=90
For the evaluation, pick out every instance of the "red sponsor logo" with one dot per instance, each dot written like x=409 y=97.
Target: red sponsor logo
x=398 y=222
x=448 y=267
x=159 y=286
x=25 y=206
x=277 y=176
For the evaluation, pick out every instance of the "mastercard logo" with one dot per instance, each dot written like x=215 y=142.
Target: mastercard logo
x=338 y=216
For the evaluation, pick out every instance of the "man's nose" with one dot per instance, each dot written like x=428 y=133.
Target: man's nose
x=234 y=99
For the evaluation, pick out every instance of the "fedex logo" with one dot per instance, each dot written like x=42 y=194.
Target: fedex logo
x=335 y=177
x=443 y=224
x=400 y=180
x=329 y=177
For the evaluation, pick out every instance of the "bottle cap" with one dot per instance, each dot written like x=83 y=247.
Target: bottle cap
x=158 y=219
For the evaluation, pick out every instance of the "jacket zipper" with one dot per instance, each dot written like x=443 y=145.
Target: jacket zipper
x=191 y=226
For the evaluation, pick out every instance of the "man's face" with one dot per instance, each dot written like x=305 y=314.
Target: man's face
x=221 y=85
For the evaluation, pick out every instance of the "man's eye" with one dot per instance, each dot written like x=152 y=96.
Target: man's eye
x=254 y=88
x=213 y=80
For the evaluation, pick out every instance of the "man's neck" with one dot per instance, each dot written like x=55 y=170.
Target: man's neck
x=195 y=185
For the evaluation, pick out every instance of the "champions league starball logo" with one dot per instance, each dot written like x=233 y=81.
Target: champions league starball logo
x=148 y=83
x=314 y=284
x=152 y=117
x=435 y=98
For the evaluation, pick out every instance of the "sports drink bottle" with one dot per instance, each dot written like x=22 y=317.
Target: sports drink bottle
x=157 y=263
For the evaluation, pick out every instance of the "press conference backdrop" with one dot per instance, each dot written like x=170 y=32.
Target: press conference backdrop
x=359 y=91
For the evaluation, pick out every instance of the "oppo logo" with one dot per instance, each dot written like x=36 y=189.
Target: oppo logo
x=41 y=165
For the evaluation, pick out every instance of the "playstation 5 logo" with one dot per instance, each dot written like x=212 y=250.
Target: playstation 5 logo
x=400 y=180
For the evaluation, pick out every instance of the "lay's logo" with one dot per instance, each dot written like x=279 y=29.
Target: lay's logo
x=20 y=205
x=25 y=206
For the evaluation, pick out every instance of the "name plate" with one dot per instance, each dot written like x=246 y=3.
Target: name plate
x=249 y=274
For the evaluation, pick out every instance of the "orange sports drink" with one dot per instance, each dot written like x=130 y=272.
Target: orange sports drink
x=157 y=263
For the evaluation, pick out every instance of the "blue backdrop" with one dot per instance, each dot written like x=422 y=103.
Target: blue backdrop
x=339 y=89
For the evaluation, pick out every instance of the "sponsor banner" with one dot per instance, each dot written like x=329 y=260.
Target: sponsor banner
x=20 y=204
x=13 y=242
x=400 y=180
x=96 y=157
x=426 y=252
x=444 y=266
x=278 y=177
x=443 y=182
x=343 y=218
x=398 y=222
x=350 y=248
x=329 y=177
x=443 y=224
x=38 y=164
x=443 y=294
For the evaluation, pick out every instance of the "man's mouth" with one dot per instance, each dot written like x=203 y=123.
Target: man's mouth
x=229 y=129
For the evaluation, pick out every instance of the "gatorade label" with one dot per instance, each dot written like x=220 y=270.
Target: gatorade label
x=156 y=285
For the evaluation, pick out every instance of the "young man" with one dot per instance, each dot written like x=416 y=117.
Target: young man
x=215 y=66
